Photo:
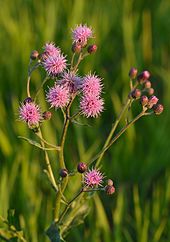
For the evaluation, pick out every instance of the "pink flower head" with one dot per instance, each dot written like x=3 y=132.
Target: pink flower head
x=58 y=96
x=91 y=106
x=50 y=50
x=81 y=34
x=30 y=113
x=93 y=178
x=91 y=85
x=55 y=64
x=71 y=82
x=152 y=101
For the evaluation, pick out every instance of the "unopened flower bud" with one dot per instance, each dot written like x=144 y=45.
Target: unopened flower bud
x=142 y=77
x=147 y=84
x=81 y=167
x=92 y=49
x=152 y=101
x=144 y=100
x=63 y=172
x=110 y=182
x=133 y=73
x=158 y=109
x=46 y=115
x=76 y=47
x=136 y=93
x=110 y=189
x=34 y=55
x=42 y=56
x=150 y=91
x=83 y=43
x=28 y=100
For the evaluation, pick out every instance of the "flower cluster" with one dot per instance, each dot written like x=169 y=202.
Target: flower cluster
x=70 y=84
x=145 y=91
x=67 y=85
x=91 y=104
x=52 y=60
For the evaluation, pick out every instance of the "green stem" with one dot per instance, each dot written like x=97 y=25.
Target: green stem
x=71 y=216
x=81 y=57
x=75 y=115
x=30 y=70
x=62 y=143
x=49 y=169
x=63 y=138
x=42 y=84
x=123 y=110
x=125 y=128
x=57 y=205
x=68 y=206
x=61 y=160
x=117 y=136
x=47 y=143
x=127 y=103
x=72 y=61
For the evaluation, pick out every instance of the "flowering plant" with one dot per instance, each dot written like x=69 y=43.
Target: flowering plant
x=67 y=87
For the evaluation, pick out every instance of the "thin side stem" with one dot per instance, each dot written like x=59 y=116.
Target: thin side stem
x=75 y=115
x=127 y=103
x=28 y=86
x=49 y=169
x=47 y=143
x=61 y=160
x=68 y=206
x=30 y=70
x=123 y=110
x=72 y=61
x=117 y=136
x=63 y=138
x=41 y=86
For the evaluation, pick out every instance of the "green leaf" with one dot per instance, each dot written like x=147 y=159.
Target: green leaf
x=75 y=217
x=35 y=143
x=54 y=234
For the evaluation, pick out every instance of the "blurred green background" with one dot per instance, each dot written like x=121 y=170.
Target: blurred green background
x=128 y=33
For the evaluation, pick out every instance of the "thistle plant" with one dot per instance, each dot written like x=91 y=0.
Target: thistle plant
x=68 y=86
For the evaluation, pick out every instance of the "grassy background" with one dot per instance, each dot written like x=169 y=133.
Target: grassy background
x=128 y=33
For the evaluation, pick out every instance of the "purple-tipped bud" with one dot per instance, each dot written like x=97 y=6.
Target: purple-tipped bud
x=152 y=101
x=46 y=115
x=136 y=93
x=27 y=100
x=63 y=172
x=150 y=91
x=142 y=77
x=110 y=189
x=133 y=73
x=34 y=55
x=81 y=167
x=158 y=109
x=92 y=49
x=144 y=100
x=146 y=75
x=110 y=182
x=76 y=47
x=147 y=84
